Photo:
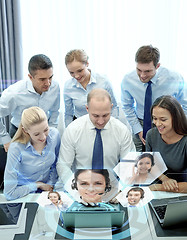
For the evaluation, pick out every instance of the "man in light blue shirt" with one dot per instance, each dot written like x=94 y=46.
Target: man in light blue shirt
x=134 y=84
x=39 y=90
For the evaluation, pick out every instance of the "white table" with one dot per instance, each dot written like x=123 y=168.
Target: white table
x=46 y=222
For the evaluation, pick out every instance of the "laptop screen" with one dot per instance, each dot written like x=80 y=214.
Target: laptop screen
x=10 y=214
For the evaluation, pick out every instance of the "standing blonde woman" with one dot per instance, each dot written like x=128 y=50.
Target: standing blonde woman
x=32 y=156
x=82 y=82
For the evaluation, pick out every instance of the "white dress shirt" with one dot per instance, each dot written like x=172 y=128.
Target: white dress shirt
x=78 y=141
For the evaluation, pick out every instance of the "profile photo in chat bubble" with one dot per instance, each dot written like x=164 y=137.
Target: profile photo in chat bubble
x=91 y=184
x=140 y=168
x=134 y=195
x=55 y=201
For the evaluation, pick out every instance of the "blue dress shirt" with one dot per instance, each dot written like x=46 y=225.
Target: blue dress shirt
x=75 y=96
x=25 y=166
x=165 y=82
x=22 y=95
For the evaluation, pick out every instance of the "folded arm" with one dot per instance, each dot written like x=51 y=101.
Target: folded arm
x=182 y=188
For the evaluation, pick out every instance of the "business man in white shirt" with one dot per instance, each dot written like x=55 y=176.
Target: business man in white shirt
x=77 y=143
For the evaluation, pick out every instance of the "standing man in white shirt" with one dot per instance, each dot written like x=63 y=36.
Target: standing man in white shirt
x=78 y=140
x=39 y=90
x=135 y=84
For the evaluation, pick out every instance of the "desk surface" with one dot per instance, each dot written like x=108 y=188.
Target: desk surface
x=46 y=225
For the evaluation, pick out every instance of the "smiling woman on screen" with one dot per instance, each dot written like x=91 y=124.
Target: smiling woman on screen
x=91 y=184
x=142 y=169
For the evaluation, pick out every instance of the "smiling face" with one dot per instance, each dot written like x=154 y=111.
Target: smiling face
x=134 y=197
x=41 y=80
x=79 y=71
x=54 y=198
x=144 y=165
x=146 y=71
x=163 y=121
x=91 y=186
x=38 y=133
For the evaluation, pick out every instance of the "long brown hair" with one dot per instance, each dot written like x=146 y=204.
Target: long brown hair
x=179 y=120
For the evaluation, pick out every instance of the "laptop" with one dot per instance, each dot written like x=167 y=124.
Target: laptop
x=170 y=211
x=10 y=215
x=103 y=215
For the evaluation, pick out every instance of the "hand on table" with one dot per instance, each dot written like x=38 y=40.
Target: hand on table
x=88 y=204
x=44 y=186
x=170 y=184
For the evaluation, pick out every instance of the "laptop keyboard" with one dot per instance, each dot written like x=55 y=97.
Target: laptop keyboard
x=161 y=210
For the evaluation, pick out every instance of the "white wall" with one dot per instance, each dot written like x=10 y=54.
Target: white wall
x=110 y=31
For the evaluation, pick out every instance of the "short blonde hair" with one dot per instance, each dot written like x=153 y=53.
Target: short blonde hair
x=30 y=116
x=77 y=55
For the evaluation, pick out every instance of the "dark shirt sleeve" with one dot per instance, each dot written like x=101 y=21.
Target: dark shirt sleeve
x=148 y=145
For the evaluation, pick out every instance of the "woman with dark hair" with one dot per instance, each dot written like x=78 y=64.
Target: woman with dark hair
x=169 y=137
x=142 y=169
x=91 y=184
